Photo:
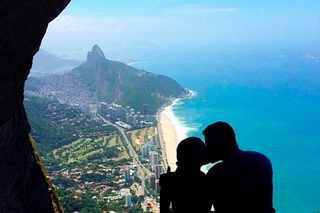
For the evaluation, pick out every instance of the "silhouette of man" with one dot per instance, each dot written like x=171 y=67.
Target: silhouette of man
x=242 y=182
x=186 y=189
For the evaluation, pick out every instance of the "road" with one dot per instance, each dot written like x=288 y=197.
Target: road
x=143 y=172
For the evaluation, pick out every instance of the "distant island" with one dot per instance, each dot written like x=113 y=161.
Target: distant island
x=308 y=56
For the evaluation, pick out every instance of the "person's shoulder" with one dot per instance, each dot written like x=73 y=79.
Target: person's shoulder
x=258 y=157
x=167 y=178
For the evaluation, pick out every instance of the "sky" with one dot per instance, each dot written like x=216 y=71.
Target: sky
x=132 y=29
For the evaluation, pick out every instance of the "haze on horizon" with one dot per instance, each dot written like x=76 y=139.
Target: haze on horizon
x=135 y=29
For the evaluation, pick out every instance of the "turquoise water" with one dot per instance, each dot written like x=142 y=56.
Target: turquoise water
x=273 y=103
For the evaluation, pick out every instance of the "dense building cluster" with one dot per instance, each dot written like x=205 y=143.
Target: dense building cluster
x=125 y=117
x=149 y=151
x=94 y=169
x=91 y=180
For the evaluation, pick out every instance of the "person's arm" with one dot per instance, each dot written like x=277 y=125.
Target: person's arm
x=213 y=182
x=165 y=200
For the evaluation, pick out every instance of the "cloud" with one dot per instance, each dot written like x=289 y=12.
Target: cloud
x=189 y=6
x=119 y=36
x=78 y=34
x=210 y=10
x=69 y=24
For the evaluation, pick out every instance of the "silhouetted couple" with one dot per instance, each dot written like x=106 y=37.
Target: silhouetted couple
x=241 y=182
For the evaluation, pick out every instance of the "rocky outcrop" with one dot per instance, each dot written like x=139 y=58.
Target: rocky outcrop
x=95 y=54
x=23 y=185
x=112 y=81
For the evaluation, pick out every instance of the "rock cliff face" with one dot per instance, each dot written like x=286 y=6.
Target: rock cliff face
x=23 y=184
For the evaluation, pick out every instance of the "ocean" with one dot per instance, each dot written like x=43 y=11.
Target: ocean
x=272 y=100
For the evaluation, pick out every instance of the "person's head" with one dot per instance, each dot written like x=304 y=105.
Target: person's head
x=220 y=140
x=191 y=152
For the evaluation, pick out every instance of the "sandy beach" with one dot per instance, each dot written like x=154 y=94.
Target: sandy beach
x=169 y=140
x=168 y=134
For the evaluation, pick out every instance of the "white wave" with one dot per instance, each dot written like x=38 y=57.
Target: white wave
x=179 y=124
x=193 y=93
x=177 y=103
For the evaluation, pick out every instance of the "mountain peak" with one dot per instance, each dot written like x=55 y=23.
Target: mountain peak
x=95 y=53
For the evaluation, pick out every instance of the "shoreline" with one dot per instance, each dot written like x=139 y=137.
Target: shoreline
x=168 y=134
x=169 y=142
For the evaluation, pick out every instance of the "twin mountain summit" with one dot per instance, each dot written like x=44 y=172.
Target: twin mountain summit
x=100 y=79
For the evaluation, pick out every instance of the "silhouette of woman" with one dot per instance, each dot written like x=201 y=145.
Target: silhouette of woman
x=185 y=189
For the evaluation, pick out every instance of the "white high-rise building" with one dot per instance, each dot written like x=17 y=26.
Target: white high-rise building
x=128 y=109
x=126 y=175
x=114 y=115
x=158 y=170
x=134 y=120
x=154 y=158
x=152 y=181
x=158 y=186
x=154 y=139
x=132 y=111
x=104 y=108
x=145 y=150
x=128 y=200
x=127 y=118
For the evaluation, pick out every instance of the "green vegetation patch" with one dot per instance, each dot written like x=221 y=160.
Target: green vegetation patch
x=111 y=142
x=55 y=125
x=88 y=149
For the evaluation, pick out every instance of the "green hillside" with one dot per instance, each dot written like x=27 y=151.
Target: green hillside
x=54 y=125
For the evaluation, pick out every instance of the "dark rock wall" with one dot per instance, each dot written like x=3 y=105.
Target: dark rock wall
x=23 y=185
